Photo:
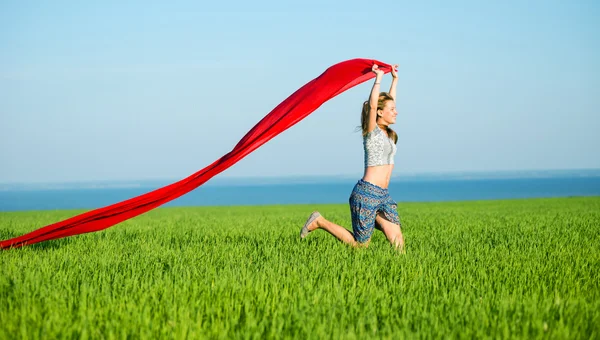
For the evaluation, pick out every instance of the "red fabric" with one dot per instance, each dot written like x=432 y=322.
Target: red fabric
x=335 y=80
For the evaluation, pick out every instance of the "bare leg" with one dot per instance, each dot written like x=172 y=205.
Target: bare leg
x=339 y=232
x=392 y=232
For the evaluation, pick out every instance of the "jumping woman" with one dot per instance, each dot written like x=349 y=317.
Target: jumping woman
x=370 y=203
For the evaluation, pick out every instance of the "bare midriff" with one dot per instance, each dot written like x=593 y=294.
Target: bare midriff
x=379 y=175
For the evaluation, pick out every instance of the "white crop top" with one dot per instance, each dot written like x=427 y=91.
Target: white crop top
x=379 y=148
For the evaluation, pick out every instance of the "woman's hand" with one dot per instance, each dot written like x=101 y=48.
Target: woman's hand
x=394 y=81
x=394 y=72
x=376 y=70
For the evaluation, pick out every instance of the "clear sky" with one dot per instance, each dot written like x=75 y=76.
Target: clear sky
x=158 y=90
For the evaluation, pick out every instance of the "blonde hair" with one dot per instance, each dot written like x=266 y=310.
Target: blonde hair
x=384 y=97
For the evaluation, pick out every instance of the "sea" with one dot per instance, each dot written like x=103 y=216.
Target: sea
x=313 y=190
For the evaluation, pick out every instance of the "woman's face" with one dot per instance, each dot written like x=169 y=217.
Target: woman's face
x=388 y=114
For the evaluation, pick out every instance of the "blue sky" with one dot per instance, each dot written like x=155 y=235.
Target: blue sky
x=157 y=90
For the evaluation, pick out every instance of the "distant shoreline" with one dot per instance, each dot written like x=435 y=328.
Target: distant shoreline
x=321 y=190
x=254 y=181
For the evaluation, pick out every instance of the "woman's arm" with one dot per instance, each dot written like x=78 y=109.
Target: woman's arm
x=394 y=82
x=374 y=98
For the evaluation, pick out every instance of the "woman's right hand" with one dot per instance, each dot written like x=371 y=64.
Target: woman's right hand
x=376 y=70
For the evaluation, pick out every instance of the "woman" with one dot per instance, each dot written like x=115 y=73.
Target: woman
x=370 y=203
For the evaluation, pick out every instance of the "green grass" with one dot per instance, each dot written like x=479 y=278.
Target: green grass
x=514 y=268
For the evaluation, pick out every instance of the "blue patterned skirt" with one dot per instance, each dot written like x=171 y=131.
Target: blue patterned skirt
x=366 y=201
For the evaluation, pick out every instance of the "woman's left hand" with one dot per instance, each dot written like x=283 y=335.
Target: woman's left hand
x=394 y=72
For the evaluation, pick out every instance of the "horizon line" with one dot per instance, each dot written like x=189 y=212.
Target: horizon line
x=478 y=174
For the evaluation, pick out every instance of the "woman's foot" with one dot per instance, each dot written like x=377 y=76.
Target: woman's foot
x=310 y=225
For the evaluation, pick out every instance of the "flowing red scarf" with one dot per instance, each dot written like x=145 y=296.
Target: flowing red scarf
x=335 y=80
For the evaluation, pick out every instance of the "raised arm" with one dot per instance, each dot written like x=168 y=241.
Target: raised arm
x=394 y=82
x=374 y=98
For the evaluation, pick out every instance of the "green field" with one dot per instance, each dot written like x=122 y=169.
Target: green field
x=508 y=269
